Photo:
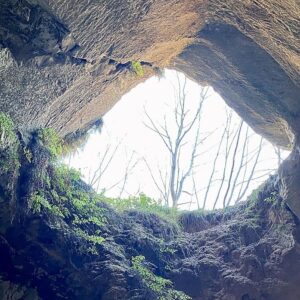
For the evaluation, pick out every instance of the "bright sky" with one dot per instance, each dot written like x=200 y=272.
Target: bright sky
x=124 y=125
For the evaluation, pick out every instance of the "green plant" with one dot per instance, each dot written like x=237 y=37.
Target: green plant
x=66 y=175
x=159 y=285
x=28 y=154
x=37 y=201
x=84 y=229
x=272 y=199
x=145 y=204
x=51 y=141
x=83 y=210
x=64 y=196
x=164 y=248
x=155 y=283
x=137 y=68
x=7 y=131
x=94 y=239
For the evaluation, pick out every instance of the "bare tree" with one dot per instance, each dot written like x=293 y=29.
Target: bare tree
x=237 y=143
x=278 y=153
x=228 y=147
x=232 y=162
x=239 y=166
x=105 y=159
x=243 y=191
x=171 y=184
x=131 y=164
x=210 y=181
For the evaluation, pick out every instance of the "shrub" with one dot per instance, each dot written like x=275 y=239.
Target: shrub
x=65 y=196
x=137 y=68
x=159 y=285
x=145 y=204
x=51 y=141
x=37 y=201
x=78 y=206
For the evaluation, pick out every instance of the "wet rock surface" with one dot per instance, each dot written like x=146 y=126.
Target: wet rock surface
x=250 y=251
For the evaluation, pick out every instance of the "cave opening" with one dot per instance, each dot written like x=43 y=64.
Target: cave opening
x=219 y=160
x=167 y=143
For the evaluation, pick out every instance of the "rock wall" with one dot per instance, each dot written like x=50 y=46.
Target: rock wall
x=65 y=63
x=56 y=242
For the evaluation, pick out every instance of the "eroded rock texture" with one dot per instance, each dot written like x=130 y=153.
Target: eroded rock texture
x=65 y=63
x=249 y=252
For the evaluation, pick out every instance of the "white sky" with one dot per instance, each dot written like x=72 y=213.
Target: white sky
x=124 y=124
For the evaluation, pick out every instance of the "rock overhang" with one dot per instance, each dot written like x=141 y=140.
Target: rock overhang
x=64 y=64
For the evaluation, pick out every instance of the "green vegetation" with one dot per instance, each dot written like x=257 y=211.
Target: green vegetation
x=7 y=131
x=37 y=201
x=137 y=68
x=164 y=248
x=78 y=206
x=51 y=141
x=63 y=197
x=9 y=159
x=273 y=198
x=145 y=204
x=159 y=285
x=28 y=154
x=95 y=239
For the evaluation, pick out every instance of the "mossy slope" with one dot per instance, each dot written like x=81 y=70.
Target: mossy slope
x=59 y=240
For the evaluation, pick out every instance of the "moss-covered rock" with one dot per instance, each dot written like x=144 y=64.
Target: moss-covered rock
x=65 y=242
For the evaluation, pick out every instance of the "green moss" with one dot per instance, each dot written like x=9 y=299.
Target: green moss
x=78 y=207
x=64 y=177
x=159 y=285
x=137 y=68
x=64 y=197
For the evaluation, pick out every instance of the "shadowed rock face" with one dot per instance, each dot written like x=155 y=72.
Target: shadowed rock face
x=246 y=76
x=250 y=251
x=65 y=63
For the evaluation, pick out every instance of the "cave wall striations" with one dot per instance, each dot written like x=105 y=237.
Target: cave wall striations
x=63 y=63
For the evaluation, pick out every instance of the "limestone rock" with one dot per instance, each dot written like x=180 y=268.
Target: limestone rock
x=248 y=51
